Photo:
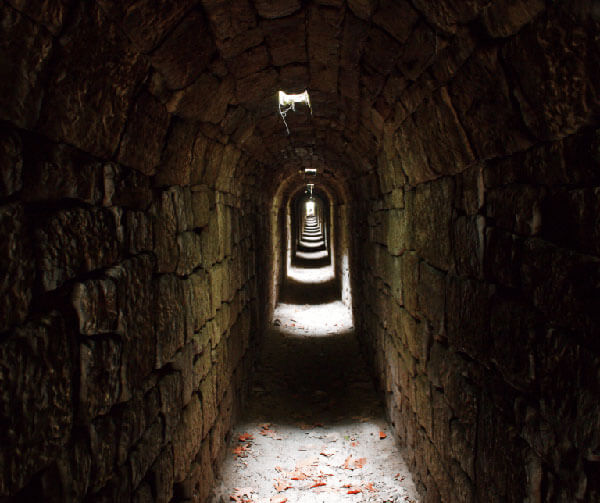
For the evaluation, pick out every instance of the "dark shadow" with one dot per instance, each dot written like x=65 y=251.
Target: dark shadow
x=321 y=379
x=296 y=292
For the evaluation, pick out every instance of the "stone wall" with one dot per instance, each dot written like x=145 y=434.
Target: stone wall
x=129 y=307
x=479 y=301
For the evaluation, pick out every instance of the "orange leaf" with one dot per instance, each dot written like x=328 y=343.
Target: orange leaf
x=382 y=435
x=318 y=484
x=352 y=464
x=281 y=485
x=240 y=450
x=245 y=436
x=354 y=491
x=278 y=499
x=369 y=486
x=360 y=462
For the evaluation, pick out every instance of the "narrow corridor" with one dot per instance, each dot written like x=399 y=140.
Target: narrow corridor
x=218 y=215
x=317 y=426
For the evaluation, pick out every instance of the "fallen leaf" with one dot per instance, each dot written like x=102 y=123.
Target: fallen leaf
x=354 y=444
x=369 y=486
x=240 y=450
x=278 y=499
x=353 y=463
x=354 y=491
x=242 y=495
x=327 y=454
x=245 y=436
x=382 y=435
x=318 y=484
x=281 y=485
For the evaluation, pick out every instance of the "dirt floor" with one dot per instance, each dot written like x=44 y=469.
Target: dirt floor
x=315 y=429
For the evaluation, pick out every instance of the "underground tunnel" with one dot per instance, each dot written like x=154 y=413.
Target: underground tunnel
x=157 y=243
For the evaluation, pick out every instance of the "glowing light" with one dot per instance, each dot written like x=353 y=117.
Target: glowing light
x=310 y=207
x=288 y=102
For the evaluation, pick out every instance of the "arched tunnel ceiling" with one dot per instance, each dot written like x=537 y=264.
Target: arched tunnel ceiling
x=218 y=64
x=363 y=62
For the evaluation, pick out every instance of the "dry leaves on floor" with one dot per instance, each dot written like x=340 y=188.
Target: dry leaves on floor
x=266 y=431
x=353 y=463
x=242 y=495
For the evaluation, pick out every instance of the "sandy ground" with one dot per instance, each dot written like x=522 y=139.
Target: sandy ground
x=315 y=429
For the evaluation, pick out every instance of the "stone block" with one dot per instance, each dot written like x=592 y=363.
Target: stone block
x=555 y=93
x=75 y=241
x=431 y=297
x=170 y=389
x=432 y=216
x=199 y=299
x=95 y=302
x=362 y=9
x=286 y=40
x=54 y=172
x=448 y=14
x=138 y=232
x=208 y=396
x=190 y=252
x=49 y=13
x=482 y=98
x=503 y=256
x=145 y=452
x=205 y=100
x=170 y=318
x=90 y=92
x=419 y=51
x=468 y=237
x=467 y=306
x=164 y=231
x=36 y=401
x=499 y=461
x=186 y=52
x=162 y=475
x=396 y=18
x=433 y=143
x=145 y=22
x=257 y=87
x=505 y=18
x=144 y=136
x=136 y=294
x=470 y=190
x=229 y=18
x=253 y=60
x=17 y=268
x=11 y=162
x=181 y=158
x=516 y=208
x=24 y=53
x=143 y=493
x=201 y=202
x=561 y=284
x=100 y=385
x=514 y=329
x=187 y=440
x=272 y=10
x=103 y=449
x=397 y=231
x=132 y=421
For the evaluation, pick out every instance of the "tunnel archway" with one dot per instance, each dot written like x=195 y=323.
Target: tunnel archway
x=145 y=176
